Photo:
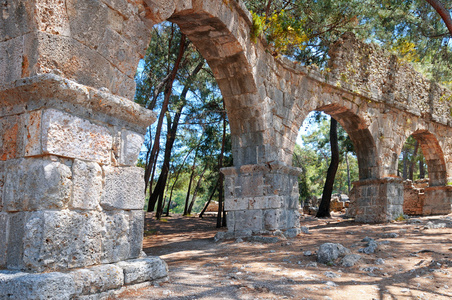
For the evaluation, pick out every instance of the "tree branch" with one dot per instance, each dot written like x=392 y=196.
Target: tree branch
x=443 y=12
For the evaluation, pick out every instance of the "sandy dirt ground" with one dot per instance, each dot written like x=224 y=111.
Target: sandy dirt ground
x=413 y=261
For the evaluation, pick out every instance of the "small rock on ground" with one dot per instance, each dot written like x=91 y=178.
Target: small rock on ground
x=329 y=252
x=350 y=260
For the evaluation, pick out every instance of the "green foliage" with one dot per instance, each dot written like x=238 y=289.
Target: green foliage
x=408 y=157
x=401 y=218
x=199 y=102
x=411 y=29
x=282 y=30
x=258 y=26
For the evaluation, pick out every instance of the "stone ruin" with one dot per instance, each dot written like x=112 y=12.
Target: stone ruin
x=71 y=204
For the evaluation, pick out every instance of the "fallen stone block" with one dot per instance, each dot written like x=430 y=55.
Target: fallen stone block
x=143 y=269
x=329 y=252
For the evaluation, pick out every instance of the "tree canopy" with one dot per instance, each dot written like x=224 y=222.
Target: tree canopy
x=304 y=30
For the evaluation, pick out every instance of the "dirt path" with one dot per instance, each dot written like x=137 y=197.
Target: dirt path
x=413 y=261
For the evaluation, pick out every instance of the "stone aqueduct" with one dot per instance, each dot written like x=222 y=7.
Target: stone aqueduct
x=70 y=201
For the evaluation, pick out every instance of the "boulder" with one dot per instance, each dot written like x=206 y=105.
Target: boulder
x=329 y=252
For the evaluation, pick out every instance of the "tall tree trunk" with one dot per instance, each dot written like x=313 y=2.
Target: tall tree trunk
x=405 y=164
x=158 y=193
x=195 y=192
x=324 y=208
x=348 y=173
x=221 y=213
x=220 y=202
x=421 y=168
x=210 y=198
x=223 y=221
x=159 y=190
x=150 y=164
x=413 y=161
x=177 y=177
x=187 y=198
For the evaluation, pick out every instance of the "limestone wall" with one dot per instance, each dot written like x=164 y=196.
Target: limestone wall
x=95 y=43
x=381 y=76
x=70 y=194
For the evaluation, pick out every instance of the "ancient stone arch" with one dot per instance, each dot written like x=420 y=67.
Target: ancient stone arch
x=434 y=157
x=432 y=197
x=359 y=133
x=70 y=204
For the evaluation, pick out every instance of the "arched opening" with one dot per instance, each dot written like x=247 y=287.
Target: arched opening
x=425 y=191
x=312 y=155
x=361 y=137
x=361 y=153
x=359 y=134
x=231 y=68
x=185 y=149
x=217 y=43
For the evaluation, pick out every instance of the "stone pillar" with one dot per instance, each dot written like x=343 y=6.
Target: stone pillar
x=262 y=198
x=438 y=200
x=376 y=200
x=71 y=198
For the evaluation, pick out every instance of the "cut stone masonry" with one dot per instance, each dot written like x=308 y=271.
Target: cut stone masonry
x=70 y=204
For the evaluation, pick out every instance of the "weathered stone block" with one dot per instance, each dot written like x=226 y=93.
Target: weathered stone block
x=252 y=185
x=32 y=140
x=292 y=218
x=15 y=245
x=4 y=232
x=88 y=28
x=17 y=19
x=124 y=7
x=257 y=203
x=115 y=237
x=274 y=202
x=249 y=220
x=136 y=232
x=97 y=279
x=272 y=219
x=236 y=204
x=11 y=59
x=131 y=143
x=59 y=240
x=124 y=188
x=51 y=17
x=2 y=183
x=11 y=145
x=70 y=136
x=18 y=285
x=49 y=53
x=143 y=269
x=87 y=185
x=437 y=201
x=123 y=235
x=292 y=201
x=122 y=53
x=33 y=184
x=377 y=200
